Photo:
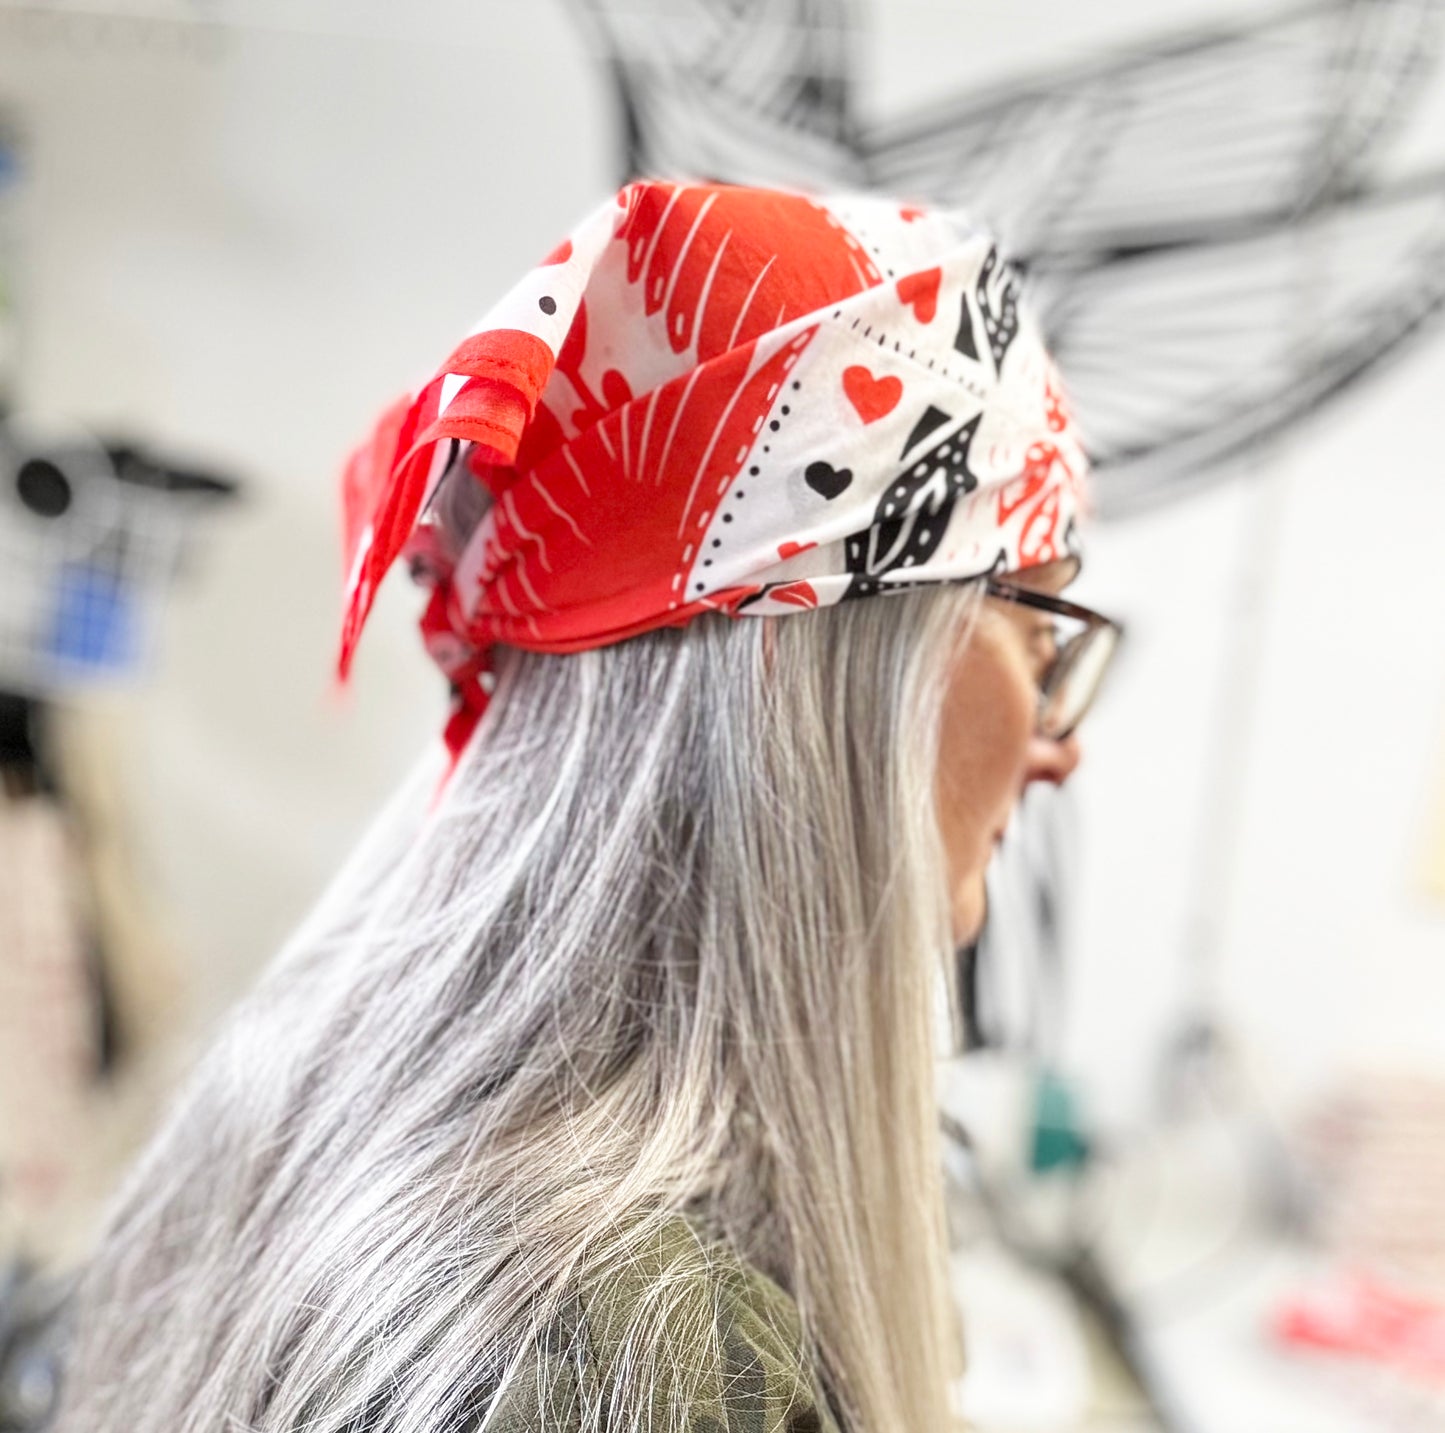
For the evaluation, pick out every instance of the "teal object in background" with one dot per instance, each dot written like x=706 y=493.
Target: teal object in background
x=1058 y=1138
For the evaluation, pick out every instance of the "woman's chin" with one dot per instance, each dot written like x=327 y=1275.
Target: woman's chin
x=970 y=907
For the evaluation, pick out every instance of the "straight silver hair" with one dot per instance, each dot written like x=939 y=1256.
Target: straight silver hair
x=669 y=943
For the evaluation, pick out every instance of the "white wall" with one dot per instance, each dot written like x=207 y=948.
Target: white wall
x=242 y=256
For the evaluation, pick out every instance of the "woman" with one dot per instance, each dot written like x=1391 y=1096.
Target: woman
x=597 y=1093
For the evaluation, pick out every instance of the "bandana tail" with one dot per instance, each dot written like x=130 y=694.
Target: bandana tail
x=383 y=488
x=485 y=393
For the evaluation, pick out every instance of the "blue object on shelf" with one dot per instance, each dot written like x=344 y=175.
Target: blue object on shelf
x=95 y=622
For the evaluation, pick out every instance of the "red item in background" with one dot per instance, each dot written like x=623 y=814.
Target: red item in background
x=1361 y=1316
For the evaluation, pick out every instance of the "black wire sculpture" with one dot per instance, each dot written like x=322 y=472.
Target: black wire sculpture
x=1177 y=206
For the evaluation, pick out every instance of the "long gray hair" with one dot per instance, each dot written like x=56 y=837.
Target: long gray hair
x=669 y=942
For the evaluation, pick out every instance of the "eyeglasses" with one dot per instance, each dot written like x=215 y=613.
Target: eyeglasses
x=1082 y=645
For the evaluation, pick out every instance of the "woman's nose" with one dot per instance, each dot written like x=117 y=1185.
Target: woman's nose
x=1051 y=761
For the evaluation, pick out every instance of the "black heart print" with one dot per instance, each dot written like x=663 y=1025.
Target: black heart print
x=826 y=480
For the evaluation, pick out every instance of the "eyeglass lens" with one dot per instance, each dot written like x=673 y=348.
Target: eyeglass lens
x=1073 y=680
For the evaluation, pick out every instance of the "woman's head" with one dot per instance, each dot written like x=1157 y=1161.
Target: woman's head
x=722 y=399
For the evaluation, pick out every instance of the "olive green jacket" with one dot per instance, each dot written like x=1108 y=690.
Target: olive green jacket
x=747 y=1376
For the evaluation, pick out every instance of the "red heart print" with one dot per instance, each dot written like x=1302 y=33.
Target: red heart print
x=799 y=594
x=792 y=549
x=921 y=290
x=871 y=397
x=909 y=212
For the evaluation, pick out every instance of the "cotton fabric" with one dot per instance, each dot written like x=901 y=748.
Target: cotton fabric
x=718 y=399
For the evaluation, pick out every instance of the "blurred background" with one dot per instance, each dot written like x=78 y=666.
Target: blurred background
x=1197 y=1109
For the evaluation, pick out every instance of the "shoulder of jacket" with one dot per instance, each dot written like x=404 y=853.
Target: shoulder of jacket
x=670 y=1330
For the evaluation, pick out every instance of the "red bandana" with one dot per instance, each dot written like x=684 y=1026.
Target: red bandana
x=717 y=399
